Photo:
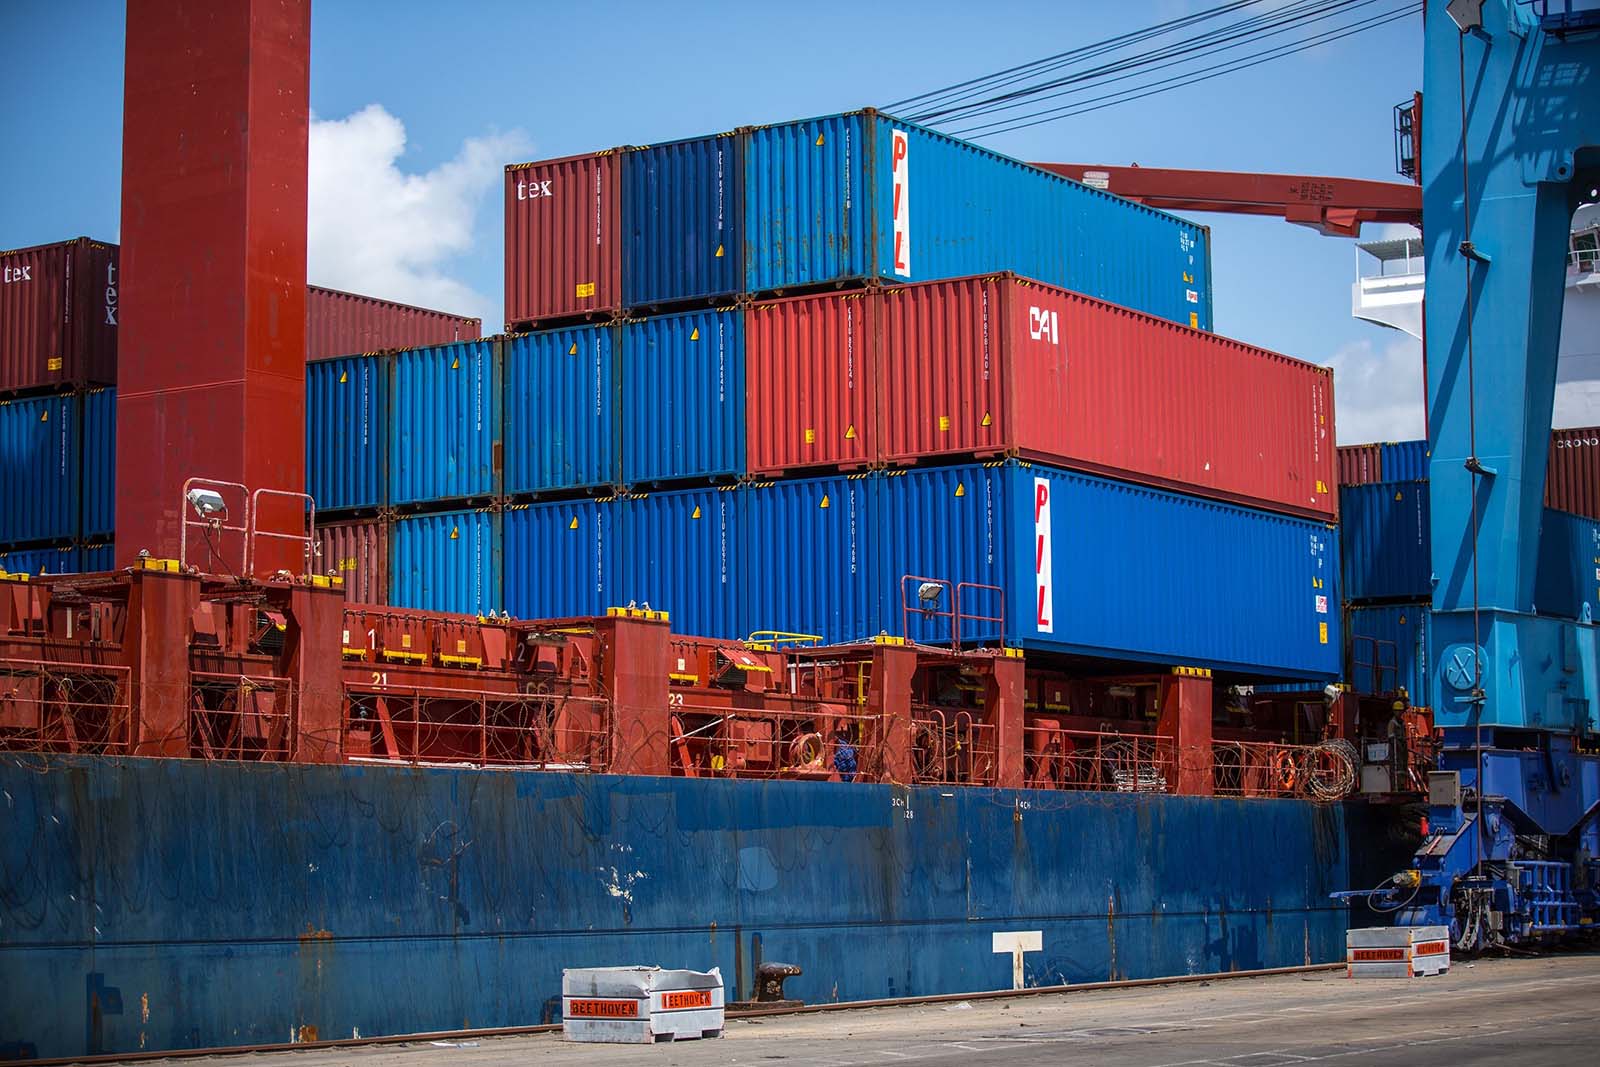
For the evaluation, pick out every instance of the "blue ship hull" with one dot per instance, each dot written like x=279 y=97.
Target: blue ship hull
x=156 y=904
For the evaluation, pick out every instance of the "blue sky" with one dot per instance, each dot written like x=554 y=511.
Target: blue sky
x=476 y=85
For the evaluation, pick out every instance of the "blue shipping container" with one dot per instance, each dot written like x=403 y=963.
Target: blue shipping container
x=681 y=217
x=1384 y=540
x=679 y=553
x=65 y=559
x=808 y=558
x=683 y=397
x=347 y=431
x=444 y=437
x=1567 y=582
x=447 y=562
x=1102 y=568
x=40 y=469
x=99 y=514
x=1404 y=461
x=561 y=425
x=864 y=195
x=1388 y=649
x=97 y=556
x=559 y=559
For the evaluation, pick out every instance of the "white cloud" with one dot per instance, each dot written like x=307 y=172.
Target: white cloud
x=378 y=230
x=1378 y=390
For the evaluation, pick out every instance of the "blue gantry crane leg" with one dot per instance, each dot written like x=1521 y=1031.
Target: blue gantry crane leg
x=1510 y=147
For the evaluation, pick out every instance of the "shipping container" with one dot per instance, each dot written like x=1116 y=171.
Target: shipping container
x=347 y=431
x=58 y=316
x=1385 y=541
x=561 y=409
x=98 y=517
x=96 y=556
x=347 y=324
x=1083 y=565
x=444 y=424
x=1002 y=365
x=1360 y=464
x=809 y=384
x=447 y=561
x=683 y=397
x=1567 y=581
x=560 y=558
x=864 y=195
x=59 y=559
x=679 y=553
x=807 y=549
x=1572 y=483
x=563 y=238
x=40 y=473
x=358 y=552
x=1388 y=649
x=682 y=220
x=1405 y=461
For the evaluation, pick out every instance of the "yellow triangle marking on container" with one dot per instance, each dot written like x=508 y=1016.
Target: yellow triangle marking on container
x=343 y=377
x=719 y=253
x=961 y=489
x=1399 y=496
x=987 y=420
x=694 y=335
x=44 y=416
x=573 y=525
x=696 y=514
x=455 y=364
x=819 y=140
x=455 y=533
x=850 y=432
x=825 y=503
x=573 y=350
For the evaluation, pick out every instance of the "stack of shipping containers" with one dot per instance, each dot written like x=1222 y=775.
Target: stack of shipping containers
x=759 y=379
x=1388 y=562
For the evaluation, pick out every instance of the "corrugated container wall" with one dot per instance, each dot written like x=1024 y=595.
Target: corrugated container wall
x=1388 y=649
x=40 y=475
x=679 y=553
x=99 y=478
x=1104 y=568
x=58 y=316
x=1385 y=541
x=1567 y=581
x=346 y=324
x=683 y=396
x=864 y=195
x=1405 y=461
x=681 y=220
x=61 y=559
x=97 y=556
x=560 y=559
x=1573 y=479
x=358 y=552
x=1001 y=365
x=1360 y=464
x=561 y=408
x=449 y=561
x=808 y=558
x=808 y=383
x=563 y=238
x=347 y=431
x=444 y=436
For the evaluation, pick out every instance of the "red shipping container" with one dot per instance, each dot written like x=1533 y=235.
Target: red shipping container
x=58 y=315
x=1360 y=464
x=563 y=239
x=1572 y=480
x=358 y=552
x=1001 y=365
x=346 y=324
x=808 y=383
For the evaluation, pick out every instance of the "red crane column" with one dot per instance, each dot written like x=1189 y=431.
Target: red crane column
x=211 y=378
